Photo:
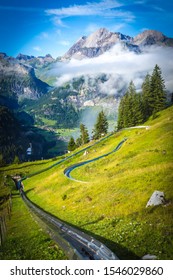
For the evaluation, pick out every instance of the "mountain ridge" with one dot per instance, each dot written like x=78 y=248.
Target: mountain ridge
x=18 y=81
x=103 y=40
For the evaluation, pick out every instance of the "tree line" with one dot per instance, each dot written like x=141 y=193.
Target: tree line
x=100 y=129
x=135 y=108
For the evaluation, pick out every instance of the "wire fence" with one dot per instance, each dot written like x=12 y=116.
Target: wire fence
x=5 y=215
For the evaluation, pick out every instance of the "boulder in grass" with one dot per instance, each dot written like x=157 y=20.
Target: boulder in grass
x=157 y=198
x=85 y=153
x=149 y=257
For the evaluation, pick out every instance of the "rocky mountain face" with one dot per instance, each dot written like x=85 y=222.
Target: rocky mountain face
x=25 y=80
x=152 y=37
x=18 y=81
x=103 y=40
x=97 y=43
x=35 y=62
x=78 y=101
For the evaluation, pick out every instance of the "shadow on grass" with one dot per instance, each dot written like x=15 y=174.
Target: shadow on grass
x=94 y=222
x=26 y=192
x=23 y=166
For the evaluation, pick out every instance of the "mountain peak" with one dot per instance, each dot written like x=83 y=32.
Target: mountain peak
x=95 y=44
x=102 y=31
x=149 y=37
x=25 y=57
x=102 y=40
x=98 y=38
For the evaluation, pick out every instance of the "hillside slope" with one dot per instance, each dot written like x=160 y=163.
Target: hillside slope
x=18 y=81
x=112 y=204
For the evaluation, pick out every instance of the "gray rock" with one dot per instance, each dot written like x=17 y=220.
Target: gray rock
x=157 y=198
x=149 y=257
x=85 y=153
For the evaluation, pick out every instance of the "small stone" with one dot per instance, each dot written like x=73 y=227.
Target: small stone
x=157 y=198
x=85 y=153
x=149 y=257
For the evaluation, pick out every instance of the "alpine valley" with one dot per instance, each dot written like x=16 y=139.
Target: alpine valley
x=43 y=100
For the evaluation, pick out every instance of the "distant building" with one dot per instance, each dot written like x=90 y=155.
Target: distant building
x=29 y=151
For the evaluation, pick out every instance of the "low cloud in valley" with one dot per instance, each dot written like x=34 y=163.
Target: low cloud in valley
x=120 y=65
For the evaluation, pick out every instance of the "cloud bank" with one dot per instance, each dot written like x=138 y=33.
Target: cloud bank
x=120 y=66
x=104 y=8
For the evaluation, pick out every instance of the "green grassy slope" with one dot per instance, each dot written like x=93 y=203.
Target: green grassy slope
x=25 y=240
x=112 y=204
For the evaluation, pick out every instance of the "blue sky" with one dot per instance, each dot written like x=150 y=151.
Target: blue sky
x=38 y=27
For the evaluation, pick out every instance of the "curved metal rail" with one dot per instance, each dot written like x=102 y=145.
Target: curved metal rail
x=68 y=170
x=76 y=244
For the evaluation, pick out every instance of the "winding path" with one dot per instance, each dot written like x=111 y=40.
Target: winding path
x=76 y=244
x=68 y=170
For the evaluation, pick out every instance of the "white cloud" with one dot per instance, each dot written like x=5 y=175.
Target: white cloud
x=64 y=43
x=58 y=21
x=92 y=27
x=120 y=65
x=159 y=9
x=140 y=2
x=118 y=27
x=44 y=35
x=37 y=48
x=105 y=8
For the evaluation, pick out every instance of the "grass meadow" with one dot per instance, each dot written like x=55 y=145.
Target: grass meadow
x=110 y=203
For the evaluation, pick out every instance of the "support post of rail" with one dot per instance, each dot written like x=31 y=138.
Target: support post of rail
x=2 y=230
x=0 y=233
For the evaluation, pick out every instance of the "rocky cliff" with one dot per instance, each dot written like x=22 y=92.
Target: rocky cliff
x=103 y=40
x=18 y=81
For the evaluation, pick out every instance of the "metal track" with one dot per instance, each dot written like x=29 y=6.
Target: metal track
x=75 y=243
x=68 y=170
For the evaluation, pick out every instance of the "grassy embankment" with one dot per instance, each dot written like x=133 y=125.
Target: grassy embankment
x=112 y=205
x=25 y=239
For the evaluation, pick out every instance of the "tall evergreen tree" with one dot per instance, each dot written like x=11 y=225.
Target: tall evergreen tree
x=147 y=109
x=121 y=113
x=138 y=109
x=78 y=142
x=84 y=136
x=71 y=144
x=101 y=126
x=135 y=108
x=130 y=108
x=130 y=111
x=157 y=98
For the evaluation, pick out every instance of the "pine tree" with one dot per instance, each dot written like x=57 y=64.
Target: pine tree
x=78 y=142
x=101 y=126
x=71 y=144
x=135 y=108
x=157 y=98
x=121 y=113
x=130 y=109
x=84 y=136
x=138 y=110
x=147 y=109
